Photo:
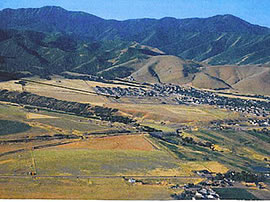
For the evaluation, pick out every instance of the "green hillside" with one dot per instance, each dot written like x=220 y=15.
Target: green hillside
x=221 y=39
x=46 y=54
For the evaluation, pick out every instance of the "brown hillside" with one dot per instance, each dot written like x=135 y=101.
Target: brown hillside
x=167 y=69
x=246 y=79
x=170 y=69
x=234 y=74
x=204 y=80
x=258 y=83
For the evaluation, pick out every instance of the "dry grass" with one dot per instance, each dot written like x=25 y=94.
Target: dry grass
x=211 y=166
x=63 y=161
x=16 y=164
x=159 y=126
x=253 y=154
x=47 y=127
x=94 y=189
x=126 y=142
x=221 y=148
x=6 y=161
x=59 y=93
x=64 y=94
x=241 y=97
x=172 y=113
x=38 y=116
x=166 y=172
x=168 y=68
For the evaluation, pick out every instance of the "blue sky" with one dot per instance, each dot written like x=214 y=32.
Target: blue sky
x=254 y=11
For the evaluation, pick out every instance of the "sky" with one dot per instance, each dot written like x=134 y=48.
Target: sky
x=253 y=11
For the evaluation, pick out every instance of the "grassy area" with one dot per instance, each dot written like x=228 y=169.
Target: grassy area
x=10 y=127
x=94 y=189
x=62 y=94
x=12 y=112
x=235 y=194
x=69 y=124
x=16 y=164
x=124 y=142
x=121 y=155
x=147 y=113
x=231 y=148
x=101 y=162
x=157 y=126
x=16 y=119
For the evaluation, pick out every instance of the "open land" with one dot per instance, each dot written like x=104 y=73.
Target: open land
x=57 y=154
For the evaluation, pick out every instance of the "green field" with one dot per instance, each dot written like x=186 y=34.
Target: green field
x=237 y=150
x=94 y=189
x=69 y=124
x=125 y=155
x=101 y=162
x=15 y=119
x=16 y=164
x=12 y=112
x=11 y=127
x=235 y=194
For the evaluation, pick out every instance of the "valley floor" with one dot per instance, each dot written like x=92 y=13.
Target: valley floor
x=48 y=154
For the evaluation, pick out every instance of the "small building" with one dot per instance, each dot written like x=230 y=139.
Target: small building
x=131 y=180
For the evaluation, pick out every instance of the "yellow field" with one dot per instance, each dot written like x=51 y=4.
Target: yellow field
x=159 y=126
x=64 y=94
x=59 y=93
x=95 y=189
x=52 y=129
x=172 y=113
x=125 y=142
x=255 y=155
x=38 y=116
x=114 y=156
x=221 y=148
x=241 y=97
x=6 y=161
x=211 y=166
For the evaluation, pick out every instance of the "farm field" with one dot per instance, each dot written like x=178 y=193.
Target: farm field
x=116 y=156
x=101 y=162
x=173 y=113
x=93 y=164
x=95 y=189
x=122 y=155
x=44 y=122
x=100 y=156
x=64 y=94
x=160 y=108
x=236 y=150
x=235 y=193
x=124 y=142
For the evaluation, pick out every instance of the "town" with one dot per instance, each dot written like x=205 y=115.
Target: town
x=191 y=96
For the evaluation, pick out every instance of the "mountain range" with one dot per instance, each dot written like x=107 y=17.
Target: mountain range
x=52 y=40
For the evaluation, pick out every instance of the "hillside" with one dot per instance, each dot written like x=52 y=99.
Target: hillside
x=221 y=39
x=45 y=54
x=166 y=69
x=198 y=52
x=170 y=69
x=247 y=79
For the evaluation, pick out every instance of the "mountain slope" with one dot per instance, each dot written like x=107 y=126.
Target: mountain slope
x=52 y=40
x=222 y=39
x=45 y=54
x=246 y=78
x=166 y=69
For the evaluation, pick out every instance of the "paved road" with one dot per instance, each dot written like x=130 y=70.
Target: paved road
x=100 y=176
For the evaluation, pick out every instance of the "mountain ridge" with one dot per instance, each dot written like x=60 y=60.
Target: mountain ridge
x=53 y=40
x=213 y=39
